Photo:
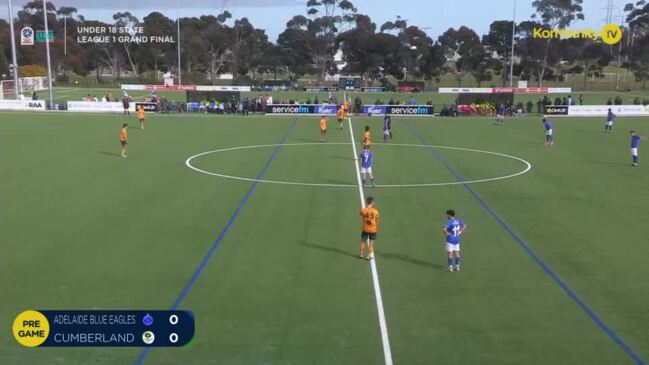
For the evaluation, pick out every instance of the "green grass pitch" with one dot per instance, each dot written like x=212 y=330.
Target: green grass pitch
x=83 y=228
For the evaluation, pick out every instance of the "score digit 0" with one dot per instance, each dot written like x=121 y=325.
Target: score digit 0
x=173 y=319
x=173 y=338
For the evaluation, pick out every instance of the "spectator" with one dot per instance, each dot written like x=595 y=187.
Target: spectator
x=246 y=105
x=529 y=106
x=609 y=102
x=618 y=100
x=569 y=100
x=391 y=102
x=557 y=101
x=34 y=96
x=581 y=99
x=316 y=100
x=564 y=101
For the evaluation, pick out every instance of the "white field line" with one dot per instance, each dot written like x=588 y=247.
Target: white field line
x=188 y=163
x=387 y=352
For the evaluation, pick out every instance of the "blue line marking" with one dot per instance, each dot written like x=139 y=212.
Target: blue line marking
x=224 y=232
x=614 y=336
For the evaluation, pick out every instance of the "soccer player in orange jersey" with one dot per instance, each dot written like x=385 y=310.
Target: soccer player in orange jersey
x=123 y=138
x=323 y=129
x=367 y=138
x=346 y=105
x=141 y=115
x=369 y=228
x=341 y=116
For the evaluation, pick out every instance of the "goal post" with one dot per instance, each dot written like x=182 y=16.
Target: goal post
x=25 y=85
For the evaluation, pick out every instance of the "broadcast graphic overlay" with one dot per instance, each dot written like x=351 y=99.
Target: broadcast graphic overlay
x=69 y=328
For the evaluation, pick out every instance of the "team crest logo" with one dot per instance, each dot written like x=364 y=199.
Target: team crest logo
x=27 y=36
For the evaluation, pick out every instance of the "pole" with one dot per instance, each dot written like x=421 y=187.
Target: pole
x=511 y=58
x=619 y=63
x=47 y=50
x=65 y=35
x=13 y=50
x=180 y=79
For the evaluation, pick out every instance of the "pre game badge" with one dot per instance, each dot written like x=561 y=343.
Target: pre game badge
x=31 y=328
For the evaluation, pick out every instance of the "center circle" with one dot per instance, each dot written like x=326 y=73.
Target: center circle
x=188 y=163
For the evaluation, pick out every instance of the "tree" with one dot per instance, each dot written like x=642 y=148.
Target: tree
x=362 y=49
x=590 y=58
x=463 y=52
x=156 y=55
x=126 y=19
x=498 y=42
x=433 y=63
x=5 y=49
x=317 y=32
x=531 y=51
x=248 y=44
x=301 y=44
x=637 y=53
x=555 y=14
x=102 y=55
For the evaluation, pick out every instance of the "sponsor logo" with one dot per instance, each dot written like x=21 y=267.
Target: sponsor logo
x=42 y=37
x=411 y=110
x=290 y=109
x=36 y=105
x=148 y=107
x=373 y=89
x=375 y=110
x=601 y=110
x=610 y=33
x=27 y=36
x=327 y=109
x=556 y=110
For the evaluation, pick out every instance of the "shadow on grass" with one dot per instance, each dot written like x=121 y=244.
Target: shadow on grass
x=337 y=182
x=606 y=163
x=410 y=260
x=347 y=158
x=110 y=154
x=326 y=248
x=530 y=142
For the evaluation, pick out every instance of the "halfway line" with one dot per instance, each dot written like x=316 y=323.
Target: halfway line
x=600 y=323
x=387 y=352
x=224 y=232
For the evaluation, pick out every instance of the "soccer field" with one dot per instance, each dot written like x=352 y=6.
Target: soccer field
x=554 y=268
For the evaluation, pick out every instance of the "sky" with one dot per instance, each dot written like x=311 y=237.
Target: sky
x=435 y=16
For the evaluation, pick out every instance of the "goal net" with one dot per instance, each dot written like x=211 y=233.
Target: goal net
x=25 y=85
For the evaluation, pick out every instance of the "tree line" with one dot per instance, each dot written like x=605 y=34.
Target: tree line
x=217 y=44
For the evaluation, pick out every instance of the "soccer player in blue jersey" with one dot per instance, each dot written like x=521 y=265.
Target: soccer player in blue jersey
x=549 y=138
x=387 y=128
x=635 y=145
x=610 y=119
x=500 y=118
x=366 y=165
x=453 y=231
